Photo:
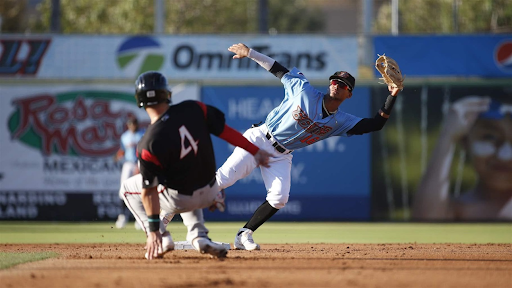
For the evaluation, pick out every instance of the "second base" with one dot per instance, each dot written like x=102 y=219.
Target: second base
x=185 y=245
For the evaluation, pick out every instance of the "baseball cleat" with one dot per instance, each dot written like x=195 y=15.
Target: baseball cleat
x=218 y=202
x=121 y=221
x=244 y=241
x=167 y=244
x=206 y=246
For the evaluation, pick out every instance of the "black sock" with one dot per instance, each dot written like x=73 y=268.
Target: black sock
x=260 y=216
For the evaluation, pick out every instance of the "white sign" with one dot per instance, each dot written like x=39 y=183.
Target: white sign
x=178 y=57
x=62 y=138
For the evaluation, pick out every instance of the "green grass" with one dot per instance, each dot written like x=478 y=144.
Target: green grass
x=8 y=259
x=271 y=232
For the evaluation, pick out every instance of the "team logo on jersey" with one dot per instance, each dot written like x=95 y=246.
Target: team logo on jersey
x=81 y=123
x=139 y=54
x=503 y=56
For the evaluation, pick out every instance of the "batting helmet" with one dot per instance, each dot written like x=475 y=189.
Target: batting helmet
x=151 y=89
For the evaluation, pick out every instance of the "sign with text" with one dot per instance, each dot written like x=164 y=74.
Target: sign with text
x=63 y=137
x=180 y=57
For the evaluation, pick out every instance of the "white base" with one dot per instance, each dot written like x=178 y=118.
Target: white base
x=185 y=245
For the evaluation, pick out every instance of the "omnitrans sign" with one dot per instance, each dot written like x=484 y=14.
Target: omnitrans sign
x=178 y=57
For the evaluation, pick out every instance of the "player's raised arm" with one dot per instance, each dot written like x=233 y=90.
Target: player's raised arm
x=367 y=125
x=241 y=51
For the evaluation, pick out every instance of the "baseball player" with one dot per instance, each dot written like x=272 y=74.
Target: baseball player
x=305 y=116
x=127 y=152
x=176 y=152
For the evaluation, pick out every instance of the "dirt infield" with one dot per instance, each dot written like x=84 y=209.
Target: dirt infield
x=283 y=265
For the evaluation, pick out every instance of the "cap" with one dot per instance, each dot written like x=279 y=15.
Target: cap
x=345 y=77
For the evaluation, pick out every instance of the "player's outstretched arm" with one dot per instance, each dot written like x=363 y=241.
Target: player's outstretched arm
x=367 y=125
x=234 y=137
x=262 y=157
x=241 y=51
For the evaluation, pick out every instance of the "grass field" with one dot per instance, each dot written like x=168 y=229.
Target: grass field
x=271 y=232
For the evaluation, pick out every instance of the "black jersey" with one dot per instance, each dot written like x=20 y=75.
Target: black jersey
x=176 y=151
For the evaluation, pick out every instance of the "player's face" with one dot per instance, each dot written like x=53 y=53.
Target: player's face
x=339 y=90
x=490 y=144
x=132 y=127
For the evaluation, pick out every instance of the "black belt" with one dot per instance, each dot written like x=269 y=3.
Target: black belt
x=190 y=192
x=276 y=145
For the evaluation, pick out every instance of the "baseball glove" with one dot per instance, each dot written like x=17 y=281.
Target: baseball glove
x=390 y=71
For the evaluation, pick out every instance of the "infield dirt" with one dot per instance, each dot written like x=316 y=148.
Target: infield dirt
x=283 y=265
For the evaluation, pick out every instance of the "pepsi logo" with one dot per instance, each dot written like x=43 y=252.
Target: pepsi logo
x=503 y=56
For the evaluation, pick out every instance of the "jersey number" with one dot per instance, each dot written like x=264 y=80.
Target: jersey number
x=184 y=134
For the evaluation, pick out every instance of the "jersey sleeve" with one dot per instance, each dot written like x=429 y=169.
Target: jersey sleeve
x=295 y=83
x=349 y=121
x=215 y=119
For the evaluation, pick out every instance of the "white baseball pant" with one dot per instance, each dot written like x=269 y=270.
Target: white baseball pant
x=128 y=170
x=277 y=177
x=189 y=206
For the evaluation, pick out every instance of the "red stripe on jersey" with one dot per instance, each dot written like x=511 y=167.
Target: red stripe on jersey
x=146 y=155
x=234 y=137
x=203 y=106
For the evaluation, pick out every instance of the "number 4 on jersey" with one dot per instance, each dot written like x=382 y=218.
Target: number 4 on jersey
x=184 y=134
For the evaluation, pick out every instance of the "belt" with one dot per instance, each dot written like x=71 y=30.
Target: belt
x=190 y=192
x=278 y=147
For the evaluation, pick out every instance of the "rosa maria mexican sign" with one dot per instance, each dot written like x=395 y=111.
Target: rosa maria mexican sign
x=63 y=139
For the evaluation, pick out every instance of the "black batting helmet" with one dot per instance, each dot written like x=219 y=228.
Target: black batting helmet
x=151 y=89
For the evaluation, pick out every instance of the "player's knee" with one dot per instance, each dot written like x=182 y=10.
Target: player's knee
x=277 y=202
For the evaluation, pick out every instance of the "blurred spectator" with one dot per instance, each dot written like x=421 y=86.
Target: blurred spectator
x=483 y=126
x=127 y=153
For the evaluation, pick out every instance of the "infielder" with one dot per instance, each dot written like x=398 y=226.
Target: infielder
x=127 y=152
x=305 y=116
x=176 y=155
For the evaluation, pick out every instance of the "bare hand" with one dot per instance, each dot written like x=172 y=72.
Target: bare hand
x=154 y=244
x=262 y=158
x=463 y=114
x=394 y=90
x=241 y=50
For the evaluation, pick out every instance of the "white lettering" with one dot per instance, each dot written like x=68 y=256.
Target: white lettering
x=18 y=212
x=33 y=198
x=327 y=145
x=108 y=211
x=251 y=108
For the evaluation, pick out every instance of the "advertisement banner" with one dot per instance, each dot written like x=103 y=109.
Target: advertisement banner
x=179 y=57
x=330 y=179
x=445 y=154
x=434 y=56
x=60 y=140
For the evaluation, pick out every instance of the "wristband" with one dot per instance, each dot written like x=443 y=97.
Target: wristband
x=154 y=222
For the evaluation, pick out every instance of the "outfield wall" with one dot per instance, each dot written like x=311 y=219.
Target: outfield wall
x=64 y=101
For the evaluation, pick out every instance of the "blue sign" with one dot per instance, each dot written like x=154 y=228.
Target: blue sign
x=476 y=55
x=333 y=172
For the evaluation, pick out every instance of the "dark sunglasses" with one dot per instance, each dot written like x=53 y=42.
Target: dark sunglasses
x=340 y=84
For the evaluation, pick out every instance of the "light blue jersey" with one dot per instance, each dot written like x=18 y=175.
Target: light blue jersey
x=297 y=121
x=129 y=142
